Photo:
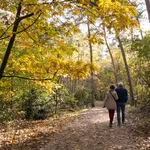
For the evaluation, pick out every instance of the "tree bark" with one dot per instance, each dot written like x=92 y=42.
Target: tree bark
x=127 y=70
x=91 y=60
x=147 y=2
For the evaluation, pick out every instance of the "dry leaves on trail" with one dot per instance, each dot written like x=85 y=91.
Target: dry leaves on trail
x=88 y=131
x=141 y=129
x=22 y=134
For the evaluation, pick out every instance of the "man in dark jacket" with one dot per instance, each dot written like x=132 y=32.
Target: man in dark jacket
x=123 y=97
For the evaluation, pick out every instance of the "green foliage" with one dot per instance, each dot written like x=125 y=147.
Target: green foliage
x=98 y=95
x=82 y=95
x=37 y=104
x=142 y=47
x=142 y=93
x=7 y=113
x=31 y=104
x=67 y=100
x=141 y=68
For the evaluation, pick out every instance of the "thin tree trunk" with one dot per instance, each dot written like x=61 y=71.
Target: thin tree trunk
x=91 y=59
x=11 y=95
x=111 y=56
x=127 y=70
x=56 y=102
x=148 y=8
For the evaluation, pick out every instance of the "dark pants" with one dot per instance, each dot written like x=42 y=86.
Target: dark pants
x=111 y=115
x=120 y=106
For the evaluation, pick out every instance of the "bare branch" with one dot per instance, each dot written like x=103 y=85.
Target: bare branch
x=140 y=13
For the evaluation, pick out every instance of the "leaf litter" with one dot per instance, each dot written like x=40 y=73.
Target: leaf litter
x=87 y=130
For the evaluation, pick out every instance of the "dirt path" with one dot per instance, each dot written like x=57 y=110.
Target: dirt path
x=91 y=132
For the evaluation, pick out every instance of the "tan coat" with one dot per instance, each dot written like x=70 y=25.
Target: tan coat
x=109 y=101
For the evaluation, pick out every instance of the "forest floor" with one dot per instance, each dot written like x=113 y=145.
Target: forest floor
x=87 y=131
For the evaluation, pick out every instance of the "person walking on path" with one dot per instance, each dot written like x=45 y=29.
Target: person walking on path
x=110 y=103
x=122 y=99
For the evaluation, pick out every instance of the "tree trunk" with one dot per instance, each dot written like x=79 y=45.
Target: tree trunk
x=127 y=70
x=56 y=102
x=111 y=56
x=12 y=39
x=91 y=59
x=148 y=8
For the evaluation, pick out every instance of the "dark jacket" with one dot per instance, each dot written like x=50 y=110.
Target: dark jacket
x=122 y=95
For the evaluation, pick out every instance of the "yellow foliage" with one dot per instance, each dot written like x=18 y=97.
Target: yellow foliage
x=61 y=43
x=76 y=12
x=41 y=50
x=95 y=39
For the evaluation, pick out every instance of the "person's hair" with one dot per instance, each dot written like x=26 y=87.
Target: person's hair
x=112 y=87
x=120 y=84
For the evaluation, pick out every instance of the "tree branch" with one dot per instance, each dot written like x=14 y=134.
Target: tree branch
x=30 y=24
x=5 y=32
x=140 y=13
x=26 y=78
x=25 y=16
x=24 y=28
x=11 y=76
x=28 y=34
x=11 y=42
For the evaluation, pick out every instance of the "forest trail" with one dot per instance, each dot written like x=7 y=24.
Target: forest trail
x=91 y=132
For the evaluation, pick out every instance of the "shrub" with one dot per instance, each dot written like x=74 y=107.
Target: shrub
x=33 y=105
x=67 y=100
x=83 y=97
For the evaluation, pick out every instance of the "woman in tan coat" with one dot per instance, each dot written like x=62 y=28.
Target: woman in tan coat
x=110 y=103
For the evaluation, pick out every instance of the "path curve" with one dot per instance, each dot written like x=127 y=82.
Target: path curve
x=91 y=132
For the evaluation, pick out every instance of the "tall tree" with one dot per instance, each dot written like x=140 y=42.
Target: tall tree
x=91 y=60
x=127 y=70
